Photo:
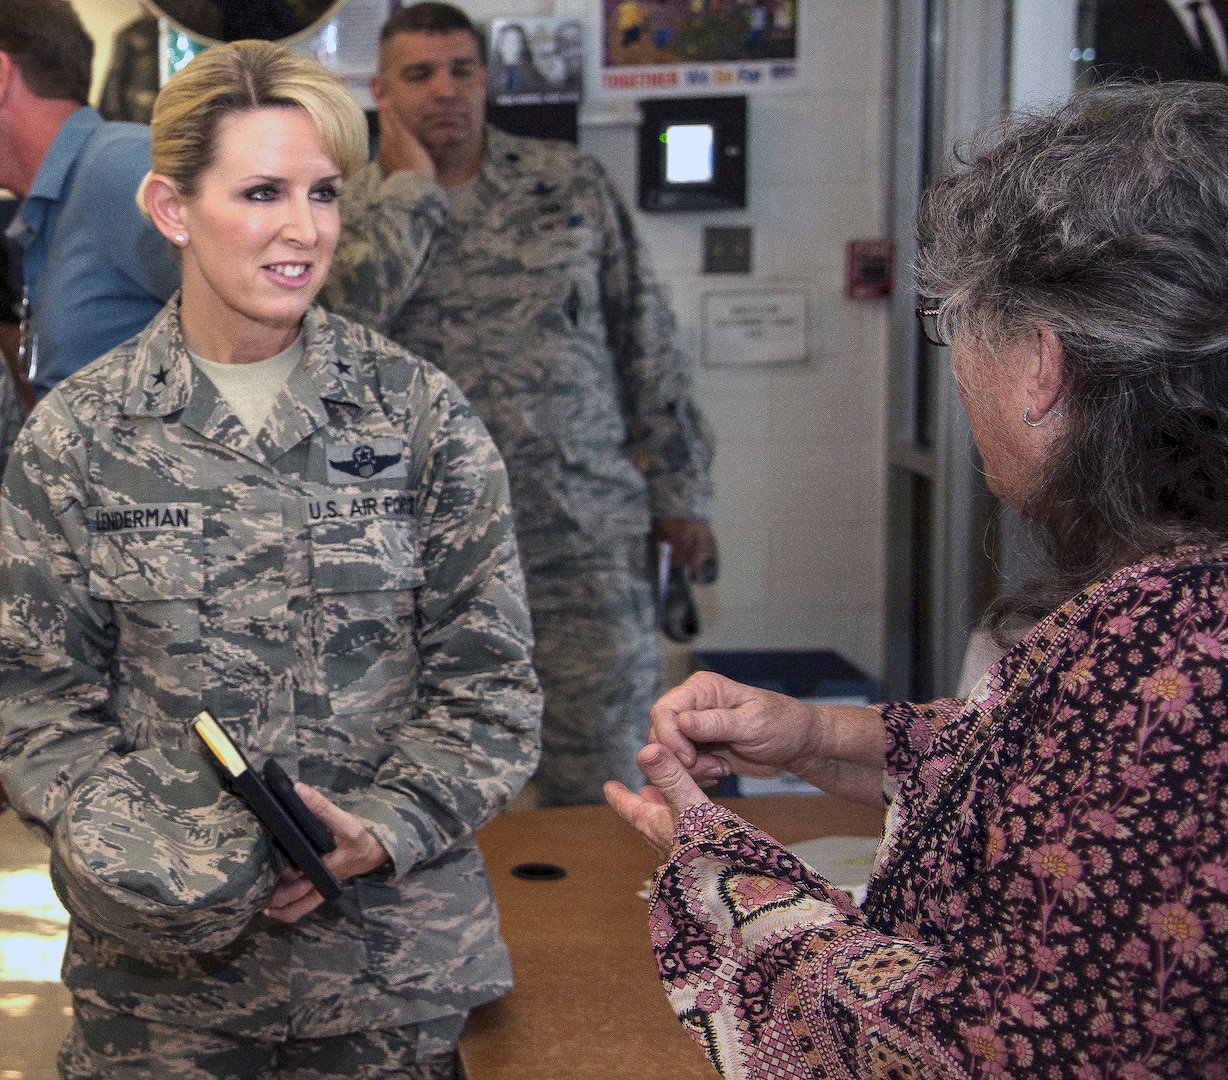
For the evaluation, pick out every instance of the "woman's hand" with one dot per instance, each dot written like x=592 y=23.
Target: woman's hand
x=655 y=810
x=716 y=726
x=357 y=852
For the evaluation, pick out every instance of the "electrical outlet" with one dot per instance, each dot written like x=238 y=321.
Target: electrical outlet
x=727 y=249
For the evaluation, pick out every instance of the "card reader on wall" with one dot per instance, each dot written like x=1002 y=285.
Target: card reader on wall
x=693 y=154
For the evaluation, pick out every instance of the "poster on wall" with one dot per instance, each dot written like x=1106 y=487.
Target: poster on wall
x=693 y=47
x=536 y=61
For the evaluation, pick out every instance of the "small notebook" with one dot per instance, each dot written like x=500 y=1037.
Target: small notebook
x=280 y=812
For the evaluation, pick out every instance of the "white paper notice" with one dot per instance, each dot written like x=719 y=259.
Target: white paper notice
x=762 y=327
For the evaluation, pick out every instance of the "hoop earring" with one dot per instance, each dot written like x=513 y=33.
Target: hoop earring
x=1027 y=418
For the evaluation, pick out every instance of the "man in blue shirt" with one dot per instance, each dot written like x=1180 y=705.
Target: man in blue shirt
x=95 y=269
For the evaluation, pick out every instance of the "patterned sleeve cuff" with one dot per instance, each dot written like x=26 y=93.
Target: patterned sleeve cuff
x=911 y=728
x=705 y=821
x=709 y=832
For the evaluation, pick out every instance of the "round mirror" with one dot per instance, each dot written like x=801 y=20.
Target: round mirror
x=214 y=21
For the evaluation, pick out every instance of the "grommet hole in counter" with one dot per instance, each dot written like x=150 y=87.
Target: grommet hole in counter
x=538 y=871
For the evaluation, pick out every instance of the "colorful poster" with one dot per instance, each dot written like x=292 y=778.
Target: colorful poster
x=536 y=61
x=692 y=47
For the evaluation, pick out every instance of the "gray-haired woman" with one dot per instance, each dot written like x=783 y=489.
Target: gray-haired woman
x=1051 y=894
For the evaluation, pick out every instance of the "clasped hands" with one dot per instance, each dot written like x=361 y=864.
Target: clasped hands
x=357 y=852
x=705 y=729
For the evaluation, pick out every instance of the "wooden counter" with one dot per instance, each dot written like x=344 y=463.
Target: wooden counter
x=587 y=1002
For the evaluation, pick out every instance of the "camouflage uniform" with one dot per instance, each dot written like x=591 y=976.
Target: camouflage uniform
x=536 y=299
x=12 y=416
x=136 y=1051
x=341 y=591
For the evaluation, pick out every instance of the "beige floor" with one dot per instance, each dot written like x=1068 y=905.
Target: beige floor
x=33 y=1004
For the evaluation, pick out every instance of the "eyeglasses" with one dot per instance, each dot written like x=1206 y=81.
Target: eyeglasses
x=927 y=316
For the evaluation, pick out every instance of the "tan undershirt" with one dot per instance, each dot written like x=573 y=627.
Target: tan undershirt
x=250 y=389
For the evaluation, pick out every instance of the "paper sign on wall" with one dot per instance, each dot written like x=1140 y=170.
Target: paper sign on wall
x=760 y=327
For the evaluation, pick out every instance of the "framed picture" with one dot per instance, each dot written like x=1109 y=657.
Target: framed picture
x=536 y=61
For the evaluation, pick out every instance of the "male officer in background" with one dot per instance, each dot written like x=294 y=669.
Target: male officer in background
x=132 y=82
x=536 y=299
x=96 y=270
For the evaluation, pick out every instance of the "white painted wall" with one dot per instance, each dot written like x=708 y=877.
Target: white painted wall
x=800 y=464
x=1042 y=37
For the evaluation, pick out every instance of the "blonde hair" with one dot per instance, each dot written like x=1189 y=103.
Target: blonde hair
x=243 y=76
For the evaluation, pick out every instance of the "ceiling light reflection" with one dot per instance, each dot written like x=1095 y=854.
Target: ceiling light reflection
x=17 y=1006
x=29 y=892
x=33 y=954
x=31 y=957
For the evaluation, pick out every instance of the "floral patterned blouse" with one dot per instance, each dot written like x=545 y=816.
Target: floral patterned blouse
x=1051 y=895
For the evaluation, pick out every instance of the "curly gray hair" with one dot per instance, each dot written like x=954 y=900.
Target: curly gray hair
x=1107 y=221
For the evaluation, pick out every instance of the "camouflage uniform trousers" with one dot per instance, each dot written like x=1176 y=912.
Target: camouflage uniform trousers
x=599 y=662
x=105 y=1043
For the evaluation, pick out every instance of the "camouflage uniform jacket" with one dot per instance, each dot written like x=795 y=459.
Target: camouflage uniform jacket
x=536 y=298
x=12 y=414
x=341 y=591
